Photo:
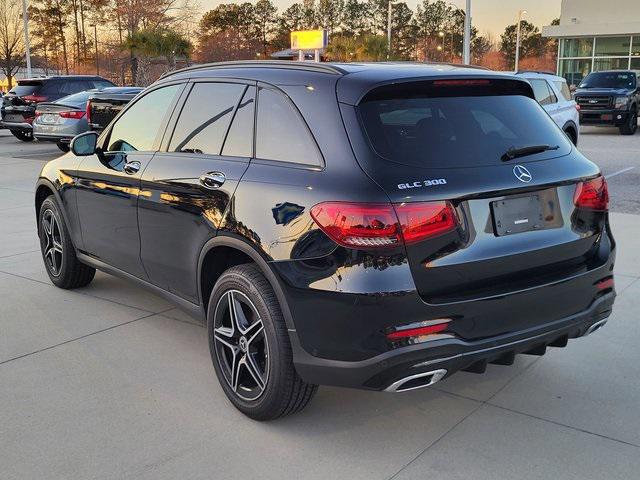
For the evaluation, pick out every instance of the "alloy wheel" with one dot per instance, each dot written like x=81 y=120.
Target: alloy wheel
x=241 y=345
x=52 y=242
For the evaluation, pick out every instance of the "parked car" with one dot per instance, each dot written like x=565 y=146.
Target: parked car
x=63 y=119
x=19 y=105
x=610 y=98
x=103 y=106
x=552 y=92
x=376 y=226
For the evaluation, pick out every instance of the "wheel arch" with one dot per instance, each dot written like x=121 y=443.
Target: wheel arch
x=45 y=188
x=571 y=126
x=234 y=251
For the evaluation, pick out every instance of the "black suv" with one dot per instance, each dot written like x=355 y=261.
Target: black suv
x=19 y=105
x=377 y=226
x=610 y=98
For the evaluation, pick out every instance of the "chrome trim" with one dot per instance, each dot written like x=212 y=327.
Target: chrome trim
x=595 y=326
x=436 y=376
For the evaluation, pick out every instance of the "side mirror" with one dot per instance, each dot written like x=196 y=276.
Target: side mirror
x=84 y=144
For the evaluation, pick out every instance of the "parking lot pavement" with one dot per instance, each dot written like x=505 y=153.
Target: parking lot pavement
x=110 y=381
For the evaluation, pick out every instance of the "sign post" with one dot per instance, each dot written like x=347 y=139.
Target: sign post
x=309 y=40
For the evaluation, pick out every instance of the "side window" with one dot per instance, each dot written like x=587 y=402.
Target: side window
x=239 y=142
x=281 y=134
x=541 y=91
x=138 y=127
x=552 y=94
x=205 y=118
x=564 y=89
x=73 y=86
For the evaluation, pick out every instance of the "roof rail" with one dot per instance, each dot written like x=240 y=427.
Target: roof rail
x=543 y=72
x=285 y=64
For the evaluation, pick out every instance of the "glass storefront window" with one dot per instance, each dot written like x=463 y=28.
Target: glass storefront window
x=635 y=64
x=574 y=70
x=635 y=46
x=612 y=46
x=611 y=64
x=576 y=47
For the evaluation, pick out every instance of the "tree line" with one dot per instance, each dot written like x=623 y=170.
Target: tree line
x=134 y=41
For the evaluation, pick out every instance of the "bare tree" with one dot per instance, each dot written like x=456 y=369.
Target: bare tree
x=11 y=42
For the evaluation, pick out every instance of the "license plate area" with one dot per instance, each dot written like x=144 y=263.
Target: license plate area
x=49 y=118
x=525 y=213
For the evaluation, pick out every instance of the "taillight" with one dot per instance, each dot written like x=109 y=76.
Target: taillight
x=365 y=225
x=34 y=98
x=425 y=219
x=592 y=194
x=76 y=114
x=88 y=111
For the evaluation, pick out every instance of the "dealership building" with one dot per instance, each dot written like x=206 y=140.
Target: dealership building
x=595 y=35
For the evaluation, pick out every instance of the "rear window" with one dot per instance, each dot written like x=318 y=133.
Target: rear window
x=457 y=131
x=76 y=98
x=26 y=88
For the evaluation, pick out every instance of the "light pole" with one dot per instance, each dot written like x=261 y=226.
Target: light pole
x=520 y=14
x=27 y=50
x=95 y=41
x=467 y=33
x=389 y=29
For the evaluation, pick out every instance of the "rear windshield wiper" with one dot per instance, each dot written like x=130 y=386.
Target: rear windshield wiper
x=524 y=151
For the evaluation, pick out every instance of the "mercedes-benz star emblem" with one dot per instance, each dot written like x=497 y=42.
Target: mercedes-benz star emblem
x=522 y=174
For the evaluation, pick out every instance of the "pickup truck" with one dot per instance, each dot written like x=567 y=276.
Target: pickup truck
x=610 y=98
x=103 y=106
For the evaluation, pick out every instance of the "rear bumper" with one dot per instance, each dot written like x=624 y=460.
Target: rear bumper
x=51 y=138
x=603 y=117
x=447 y=356
x=17 y=126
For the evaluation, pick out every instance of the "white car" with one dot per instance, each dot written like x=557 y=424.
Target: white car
x=552 y=92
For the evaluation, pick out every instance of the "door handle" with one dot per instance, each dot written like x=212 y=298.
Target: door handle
x=131 y=168
x=212 y=180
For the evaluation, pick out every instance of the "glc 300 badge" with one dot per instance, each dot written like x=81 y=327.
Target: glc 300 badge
x=423 y=183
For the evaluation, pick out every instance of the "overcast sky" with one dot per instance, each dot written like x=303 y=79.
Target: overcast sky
x=488 y=15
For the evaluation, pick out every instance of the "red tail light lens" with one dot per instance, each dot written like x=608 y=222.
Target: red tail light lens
x=423 y=220
x=77 y=114
x=592 y=194
x=359 y=225
x=34 y=98
x=88 y=110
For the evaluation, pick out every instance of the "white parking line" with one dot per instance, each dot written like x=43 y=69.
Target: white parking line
x=624 y=170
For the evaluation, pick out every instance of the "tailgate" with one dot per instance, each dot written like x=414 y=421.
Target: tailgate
x=518 y=230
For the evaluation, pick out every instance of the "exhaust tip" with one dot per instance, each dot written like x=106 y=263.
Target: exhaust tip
x=595 y=326
x=420 y=380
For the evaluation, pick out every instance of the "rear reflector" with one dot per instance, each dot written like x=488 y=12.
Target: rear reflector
x=605 y=284
x=77 y=114
x=417 y=332
x=375 y=225
x=592 y=194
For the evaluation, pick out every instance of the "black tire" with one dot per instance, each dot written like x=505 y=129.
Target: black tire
x=67 y=272
x=24 y=135
x=631 y=125
x=63 y=146
x=284 y=392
